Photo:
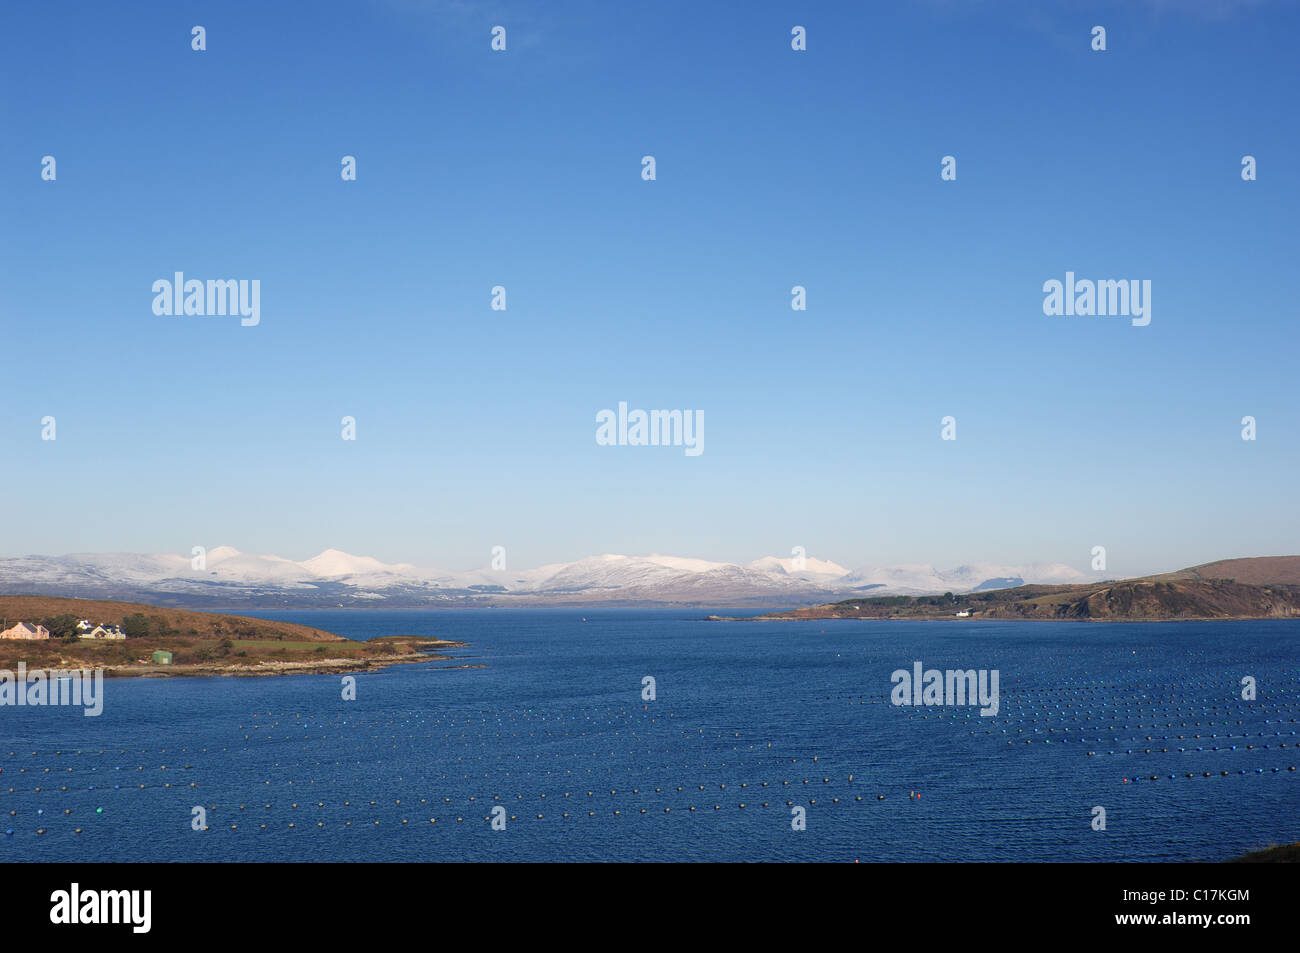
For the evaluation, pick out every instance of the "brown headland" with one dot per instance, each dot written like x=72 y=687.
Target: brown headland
x=1264 y=587
x=199 y=643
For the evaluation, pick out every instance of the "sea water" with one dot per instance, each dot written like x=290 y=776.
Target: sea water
x=1144 y=720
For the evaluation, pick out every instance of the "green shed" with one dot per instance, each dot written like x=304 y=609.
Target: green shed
x=162 y=657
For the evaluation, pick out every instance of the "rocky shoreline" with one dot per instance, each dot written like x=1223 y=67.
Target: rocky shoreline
x=271 y=667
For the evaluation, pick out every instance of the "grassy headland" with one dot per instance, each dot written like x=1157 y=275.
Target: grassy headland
x=201 y=643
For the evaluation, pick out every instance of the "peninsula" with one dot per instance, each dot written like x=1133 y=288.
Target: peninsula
x=1264 y=587
x=161 y=642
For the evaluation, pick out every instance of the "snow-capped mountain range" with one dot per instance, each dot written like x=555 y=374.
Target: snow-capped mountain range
x=228 y=578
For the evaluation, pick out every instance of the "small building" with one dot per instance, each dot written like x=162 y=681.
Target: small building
x=24 y=630
x=964 y=613
x=162 y=657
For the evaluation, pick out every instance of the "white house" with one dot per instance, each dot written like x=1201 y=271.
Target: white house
x=102 y=632
x=963 y=613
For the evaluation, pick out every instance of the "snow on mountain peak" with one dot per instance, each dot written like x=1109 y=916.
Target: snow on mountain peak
x=685 y=564
x=804 y=566
x=335 y=562
x=647 y=579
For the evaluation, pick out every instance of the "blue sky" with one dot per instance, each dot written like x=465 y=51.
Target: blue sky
x=820 y=168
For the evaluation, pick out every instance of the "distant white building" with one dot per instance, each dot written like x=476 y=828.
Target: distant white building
x=102 y=632
x=963 y=613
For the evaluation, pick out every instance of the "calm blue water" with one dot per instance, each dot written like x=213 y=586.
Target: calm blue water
x=553 y=724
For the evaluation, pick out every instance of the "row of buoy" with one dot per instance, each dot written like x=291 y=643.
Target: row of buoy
x=14 y=754
x=613 y=792
x=939 y=713
x=538 y=756
x=743 y=805
x=130 y=787
x=1112 y=723
x=139 y=767
x=724 y=764
x=1141 y=698
x=1211 y=774
x=1213 y=734
x=1128 y=751
x=1018 y=698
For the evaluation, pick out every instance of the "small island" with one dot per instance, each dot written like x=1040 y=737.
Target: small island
x=130 y=639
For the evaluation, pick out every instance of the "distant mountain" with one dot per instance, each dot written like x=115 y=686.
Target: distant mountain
x=1264 y=587
x=230 y=578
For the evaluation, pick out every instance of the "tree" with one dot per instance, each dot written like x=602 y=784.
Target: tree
x=62 y=626
x=136 y=626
